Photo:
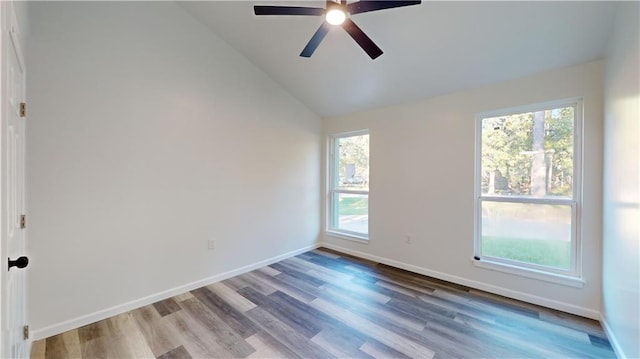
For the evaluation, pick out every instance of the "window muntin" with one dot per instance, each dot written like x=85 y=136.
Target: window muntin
x=348 y=200
x=527 y=187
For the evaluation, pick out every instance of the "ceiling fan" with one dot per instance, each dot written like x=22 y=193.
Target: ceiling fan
x=336 y=13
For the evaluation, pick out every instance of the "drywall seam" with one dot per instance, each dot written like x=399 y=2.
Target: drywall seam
x=534 y=299
x=137 y=303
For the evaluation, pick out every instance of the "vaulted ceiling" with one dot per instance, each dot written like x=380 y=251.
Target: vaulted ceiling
x=430 y=49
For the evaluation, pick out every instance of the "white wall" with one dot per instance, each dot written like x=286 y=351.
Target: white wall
x=621 y=201
x=147 y=136
x=422 y=183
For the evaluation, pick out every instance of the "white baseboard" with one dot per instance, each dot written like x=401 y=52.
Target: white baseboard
x=612 y=338
x=125 y=307
x=534 y=299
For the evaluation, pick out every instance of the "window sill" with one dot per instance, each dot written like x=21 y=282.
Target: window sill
x=347 y=236
x=530 y=273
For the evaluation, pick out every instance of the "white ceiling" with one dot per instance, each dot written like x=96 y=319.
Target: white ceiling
x=429 y=49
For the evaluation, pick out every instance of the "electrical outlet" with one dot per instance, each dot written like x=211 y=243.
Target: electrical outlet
x=211 y=244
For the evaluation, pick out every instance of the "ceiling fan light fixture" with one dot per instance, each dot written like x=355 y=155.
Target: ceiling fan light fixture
x=337 y=12
x=335 y=16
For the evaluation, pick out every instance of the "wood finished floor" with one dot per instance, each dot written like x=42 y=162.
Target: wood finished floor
x=323 y=304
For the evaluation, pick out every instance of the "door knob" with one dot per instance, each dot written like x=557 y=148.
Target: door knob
x=20 y=262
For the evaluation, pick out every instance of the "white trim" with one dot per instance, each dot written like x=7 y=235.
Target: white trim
x=534 y=299
x=530 y=273
x=349 y=133
x=150 y=299
x=525 y=199
x=350 y=191
x=346 y=235
x=543 y=106
x=578 y=165
x=612 y=338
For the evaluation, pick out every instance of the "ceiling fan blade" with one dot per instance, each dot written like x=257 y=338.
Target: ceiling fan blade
x=362 y=39
x=312 y=45
x=287 y=10
x=367 y=5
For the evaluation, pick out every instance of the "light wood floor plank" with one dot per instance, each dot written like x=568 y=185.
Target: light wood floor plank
x=181 y=297
x=339 y=344
x=282 y=285
x=354 y=289
x=218 y=328
x=159 y=337
x=288 y=336
x=293 y=264
x=301 y=276
x=401 y=344
x=38 y=349
x=299 y=284
x=258 y=284
x=232 y=297
x=269 y=271
x=65 y=345
x=133 y=340
x=93 y=331
x=460 y=308
x=295 y=320
x=177 y=353
x=268 y=347
x=381 y=351
x=197 y=339
x=318 y=268
x=372 y=309
x=234 y=319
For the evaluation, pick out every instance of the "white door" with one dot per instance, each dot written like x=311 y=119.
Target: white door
x=13 y=189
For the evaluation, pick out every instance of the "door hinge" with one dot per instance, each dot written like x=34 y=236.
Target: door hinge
x=25 y=332
x=23 y=221
x=23 y=109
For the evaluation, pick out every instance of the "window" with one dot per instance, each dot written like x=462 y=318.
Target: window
x=348 y=195
x=527 y=188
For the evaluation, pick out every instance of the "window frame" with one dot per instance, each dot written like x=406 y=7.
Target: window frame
x=333 y=188
x=572 y=276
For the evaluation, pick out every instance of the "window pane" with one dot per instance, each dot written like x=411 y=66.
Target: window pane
x=528 y=154
x=352 y=212
x=353 y=162
x=532 y=233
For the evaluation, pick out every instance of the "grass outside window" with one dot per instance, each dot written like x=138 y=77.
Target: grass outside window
x=549 y=253
x=353 y=206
